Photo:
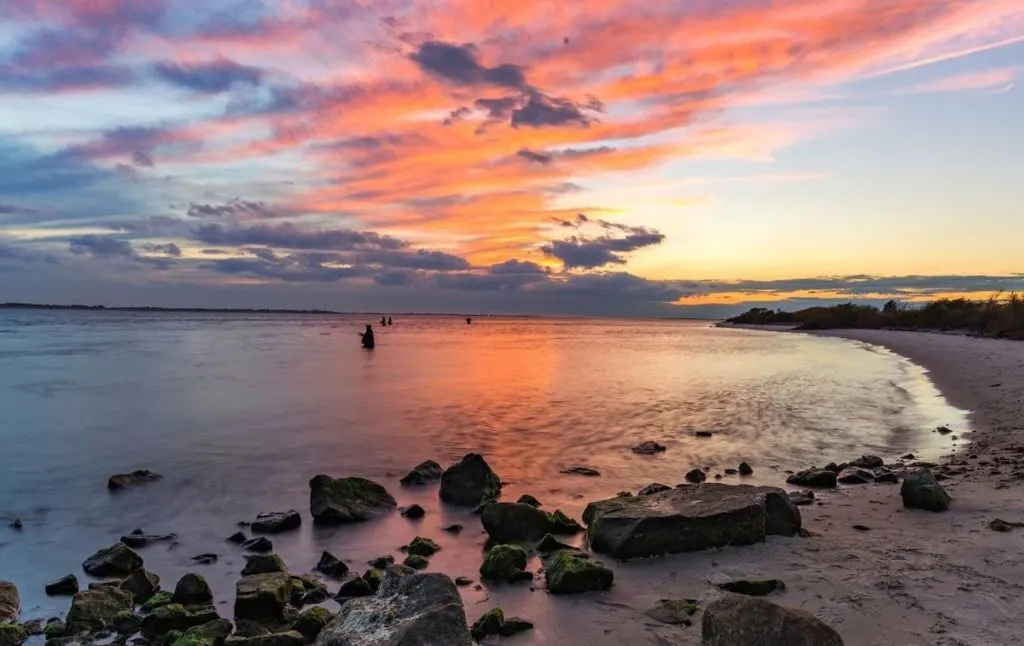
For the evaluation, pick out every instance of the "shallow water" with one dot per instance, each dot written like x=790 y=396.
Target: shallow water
x=239 y=411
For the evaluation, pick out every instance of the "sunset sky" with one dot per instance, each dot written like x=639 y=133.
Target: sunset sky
x=673 y=158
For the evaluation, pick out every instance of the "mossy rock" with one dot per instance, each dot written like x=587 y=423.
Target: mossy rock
x=212 y=633
x=126 y=622
x=374 y=577
x=312 y=621
x=570 y=573
x=334 y=501
x=487 y=625
x=158 y=600
x=12 y=635
x=55 y=628
x=175 y=616
x=93 y=610
x=423 y=547
x=505 y=563
x=416 y=562
x=263 y=564
x=307 y=590
x=263 y=597
x=353 y=588
x=674 y=611
x=559 y=523
x=514 y=626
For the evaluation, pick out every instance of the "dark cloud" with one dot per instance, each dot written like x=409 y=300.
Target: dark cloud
x=458 y=64
x=588 y=252
x=537 y=158
x=169 y=249
x=413 y=259
x=573 y=153
x=236 y=208
x=154 y=224
x=135 y=142
x=100 y=246
x=23 y=254
x=64 y=79
x=289 y=236
x=140 y=158
x=499 y=108
x=513 y=267
x=458 y=114
x=11 y=209
x=212 y=77
x=541 y=110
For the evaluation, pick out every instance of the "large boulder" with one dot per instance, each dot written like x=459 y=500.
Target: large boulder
x=424 y=473
x=93 y=610
x=689 y=519
x=142 y=583
x=410 y=609
x=263 y=564
x=10 y=602
x=125 y=480
x=192 y=590
x=116 y=560
x=513 y=522
x=920 y=490
x=747 y=621
x=470 y=482
x=276 y=521
x=263 y=597
x=572 y=573
x=334 y=501
x=13 y=635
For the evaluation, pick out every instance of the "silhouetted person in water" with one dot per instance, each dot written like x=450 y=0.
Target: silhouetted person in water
x=469 y=320
x=383 y=322
x=389 y=321
x=367 y=337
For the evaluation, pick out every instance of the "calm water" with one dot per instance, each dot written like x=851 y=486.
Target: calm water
x=238 y=412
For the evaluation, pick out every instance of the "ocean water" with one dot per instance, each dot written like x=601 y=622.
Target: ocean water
x=238 y=412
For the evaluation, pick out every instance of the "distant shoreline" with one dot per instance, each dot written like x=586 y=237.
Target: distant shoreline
x=232 y=310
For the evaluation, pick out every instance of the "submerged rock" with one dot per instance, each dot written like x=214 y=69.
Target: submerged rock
x=259 y=544
x=696 y=476
x=505 y=563
x=263 y=564
x=649 y=447
x=654 y=487
x=416 y=562
x=10 y=602
x=572 y=573
x=66 y=585
x=192 y=590
x=423 y=547
x=753 y=588
x=470 y=482
x=674 y=611
x=142 y=584
x=93 y=610
x=276 y=521
x=920 y=490
x=452 y=529
x=689 y=519
x=263 y=597
x=745 y=621
x=413 y=512
x=818 y=478
x=237 y=538
x=334 y=501
x=855 y=475
x=206 y=558
x=331 y=566
x=125 y=480
x=424 y=473
x=581 y=471
x=116 y=560
x=410 y=608
x=138 y=538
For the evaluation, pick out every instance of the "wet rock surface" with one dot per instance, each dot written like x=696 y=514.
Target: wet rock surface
x=276 y=522
x=336 y=501
x=424 y=473
x=746 y=621
x=469 y=482
x=137 y=477
x=116 y=560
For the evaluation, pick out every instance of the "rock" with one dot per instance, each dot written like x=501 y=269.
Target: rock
x=550 y=544
x=423 y=547
x=262 y=597
x=258 y=544
x=818 y=478
x=854 y=475
x=833 y=467
x=382 y=562
x=12 y=635
x=674 y=611
x=374 y=577
x=883 y=475
x=55 y=628
x=33 y=627
x=212 y=633
x=745 y=469
x=116 y=560
x=206 y=558
x=335 y=501
x=410 y=608
x=287 y=638
x=138 y=538
x=513 y=522
x=648 y=448
x=276 y=522
x=731 y=472
x=514 y=626
x=571 y=573
x=192 y=590
x=16 y=524
x=696 y=476
x=331 y=566
x=142 y=584
x=470 y=482
x=581 y=471
x=175 y=616
x=157 y=600
x=312 y=621
x=654 y=487
x=703 y=434
x=753 y=588
x=264 y=564
x=527 y=499
x=10 y=602
x=66 y=585
x=488 y=624
x=689 y=519
x=125 y=480
x=237 y=538
x=909 y=456
x=920 y=490
x=463 y=581
x=505 y=563
x=93 y=610
x=416 y=562
x=862 y=528
x=308 y=590
x=104 y=584
x=357 y=587
x=424 y=473
x=559 y=523
x=999 y=525
x=801 y=497
x=452 y=529
x=746 y=621
x=868 y=462
x=127 y=623
x=413 y=511
x=943 y=430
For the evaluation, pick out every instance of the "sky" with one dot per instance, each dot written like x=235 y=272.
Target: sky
x=595 y=157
